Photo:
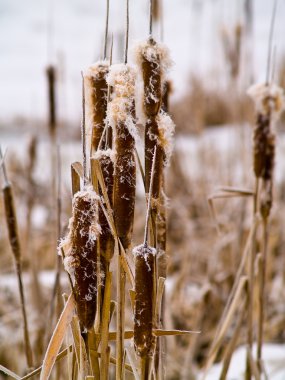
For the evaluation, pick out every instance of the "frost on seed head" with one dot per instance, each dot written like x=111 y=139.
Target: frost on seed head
x=144 y=251
x=104 y=154
x=95 y=87
x=96 y=69
x=122 y=78
x=83 y=228
x=268 y=99
x=121 y=109
x=166 y=129
x=153 y=52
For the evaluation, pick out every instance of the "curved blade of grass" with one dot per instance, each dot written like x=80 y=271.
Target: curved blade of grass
x=57 y=338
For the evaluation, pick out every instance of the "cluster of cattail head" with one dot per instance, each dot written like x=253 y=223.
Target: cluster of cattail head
x=110 y=98
x=269 y=103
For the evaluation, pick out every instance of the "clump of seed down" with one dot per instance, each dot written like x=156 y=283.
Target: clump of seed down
x=121 y=117
x=269 y=103
x=81 y=254
x=96 y=90
x=144 y=340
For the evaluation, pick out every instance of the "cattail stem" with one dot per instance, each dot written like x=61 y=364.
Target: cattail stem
x=262 y=294
x=127 y=33
x=121 y=289
x=150 y=16
x=106 y=28
x=83 y=134
x=251 y=286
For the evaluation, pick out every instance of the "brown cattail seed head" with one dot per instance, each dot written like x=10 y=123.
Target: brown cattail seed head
x=269 y=103
x=122 y=119
x=51 y=77
x=144 y=339
x=96 y=89
x=154 y=61
x=11 y=221
x=81 y=255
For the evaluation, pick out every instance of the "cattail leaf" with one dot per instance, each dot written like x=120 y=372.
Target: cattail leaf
x=57 y=338
x=9 y=373
x=76 y=175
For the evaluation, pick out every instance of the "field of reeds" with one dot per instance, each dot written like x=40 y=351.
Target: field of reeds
x=146 y=241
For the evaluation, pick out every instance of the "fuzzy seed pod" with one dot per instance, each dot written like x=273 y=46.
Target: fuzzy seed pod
x=11 y=221
x=81 y=254
x=260 y=133
x=96 y=89
x=122 y=119
x=144 y=339
x=165 y=96
x=51 y=77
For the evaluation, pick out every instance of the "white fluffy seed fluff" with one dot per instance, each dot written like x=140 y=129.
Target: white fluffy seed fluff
x=122 y=78
x=166 y=129
x=267 y=99
x=101 y=154
x=70 y=261
x=91 y=73
x=144 y=251
x=151 y=51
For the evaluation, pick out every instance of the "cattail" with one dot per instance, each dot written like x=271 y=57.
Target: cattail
x=81 y=254
x=153 y=60
x=14 y=240
x=121 y=118
x=96 y=90
x=144 y=339
x=51 y=77
x=269 y=103
x=167 y=88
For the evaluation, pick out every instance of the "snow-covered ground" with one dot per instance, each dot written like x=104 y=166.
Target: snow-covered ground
x=70 y=33
x=274 y=361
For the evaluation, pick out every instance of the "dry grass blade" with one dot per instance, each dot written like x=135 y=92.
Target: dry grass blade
x=223 y=193
x=9 y=373
x=231 y=346
x=79 y=347
x=57 y=338
x=241 y=291
x=37 y=371
x=253 y=366
x=76 y=175
x=105 y=349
